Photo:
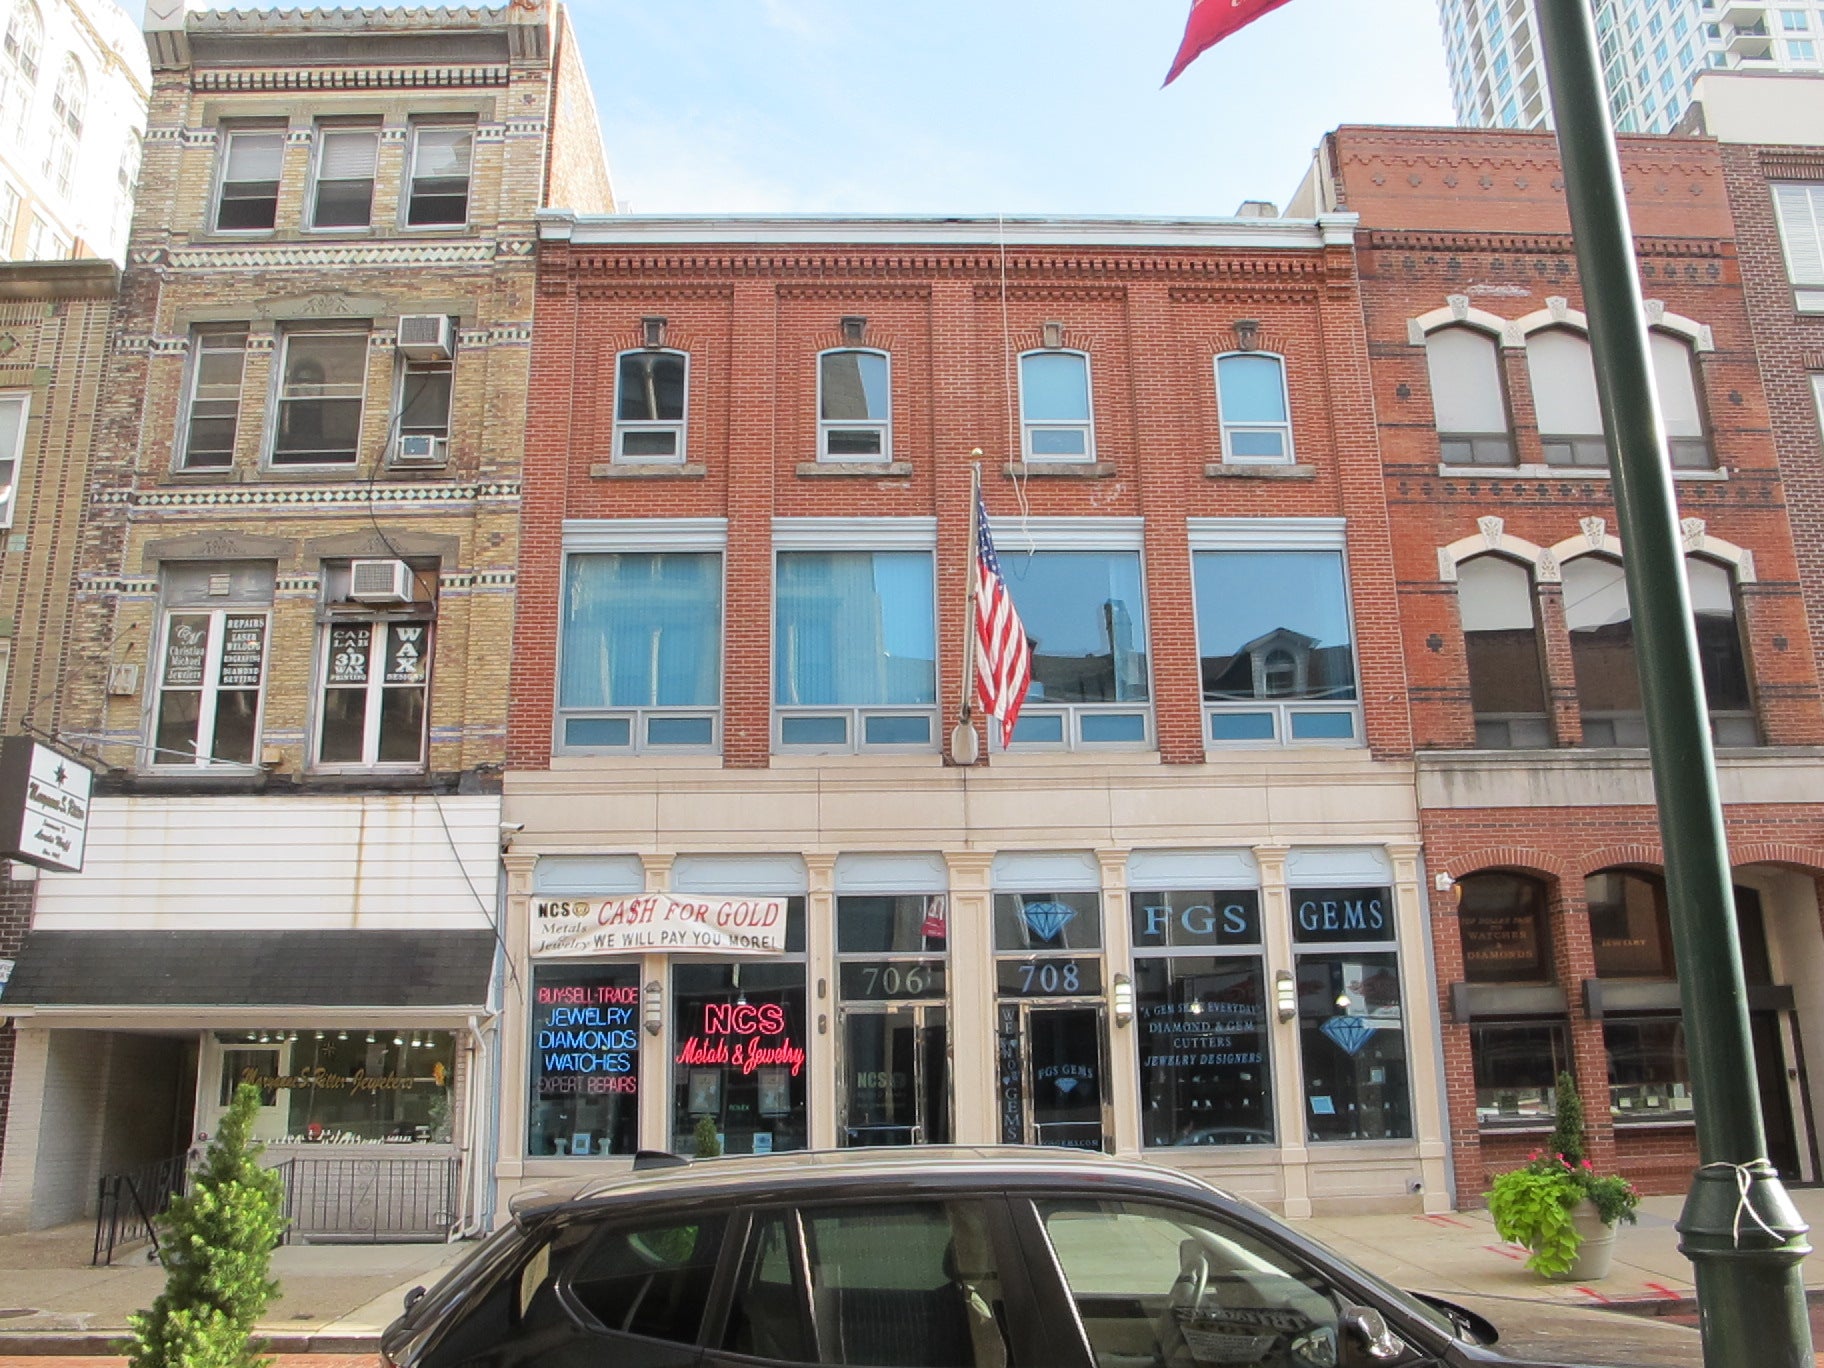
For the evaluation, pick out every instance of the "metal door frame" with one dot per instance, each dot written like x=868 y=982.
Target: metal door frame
x=921 y=1009
x=1027 y=1006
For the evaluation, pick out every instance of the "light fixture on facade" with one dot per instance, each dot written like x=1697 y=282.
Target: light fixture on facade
x=417 y=1042
x=1124 y=999
x=654 y=1007
x=398 y=1040
x=370 y=1037
x=341 y=1035
x=1285 y=995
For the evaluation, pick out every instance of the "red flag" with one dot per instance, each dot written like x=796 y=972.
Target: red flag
x=1003 y=659
x=1211 y=21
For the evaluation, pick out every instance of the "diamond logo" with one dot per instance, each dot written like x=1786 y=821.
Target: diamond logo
x=1068 y=1085
x=1047 y=920
x=1350 y=1033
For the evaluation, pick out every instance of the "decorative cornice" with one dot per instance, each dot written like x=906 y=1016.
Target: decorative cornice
x=266 y=256
x=1044 y=267
x=208 y=81
x=279 y=496
x=1525 y=244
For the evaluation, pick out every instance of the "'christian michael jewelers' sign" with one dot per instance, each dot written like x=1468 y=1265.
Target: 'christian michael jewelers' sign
x=569 y=927
x=44 y=805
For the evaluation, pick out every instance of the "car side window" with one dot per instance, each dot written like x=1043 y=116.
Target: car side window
x=905 y=1285
x=1154 y=1285
x=769 y=1315
x=651 y=1279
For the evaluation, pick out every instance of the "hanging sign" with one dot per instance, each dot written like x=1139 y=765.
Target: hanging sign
x=44 y=805
x=679 y=924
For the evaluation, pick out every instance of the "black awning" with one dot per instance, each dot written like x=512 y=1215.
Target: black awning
x=252 y=969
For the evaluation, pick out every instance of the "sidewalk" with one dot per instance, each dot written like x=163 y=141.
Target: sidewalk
x=336 y=1299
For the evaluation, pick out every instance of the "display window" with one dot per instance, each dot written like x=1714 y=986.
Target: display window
x=363 y=1086
x=894 y=1029
x=1051 y=1026
x=1352 y=1036
x=1649 y=1069
x=740 y=1030
x=1517 y=1066
x=585 y=1080
x=1201 y=1009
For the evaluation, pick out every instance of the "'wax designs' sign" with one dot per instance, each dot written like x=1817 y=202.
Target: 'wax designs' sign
x=657 y=921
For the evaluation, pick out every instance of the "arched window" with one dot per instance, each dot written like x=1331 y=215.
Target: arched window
x=1563 y=380
x=1675 y=377
x=854 y=406
x=1519 y=1043
x=1506 y=939
x=69 y=103
x=651 y=390
x=1468 y=398
x=1054 y=406
x=1251 y=399
x=1720 y=653
x=19 y=62
x=1630 y=928
x=1501 y=642
x=1601 y=626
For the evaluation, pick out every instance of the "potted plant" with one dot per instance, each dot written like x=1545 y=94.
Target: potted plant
x=1558 y=1206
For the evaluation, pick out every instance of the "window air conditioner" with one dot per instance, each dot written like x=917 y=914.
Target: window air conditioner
x=380 y=581
x=421 y=449
x=426 y=337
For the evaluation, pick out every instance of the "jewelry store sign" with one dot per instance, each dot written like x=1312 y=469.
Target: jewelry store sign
x=572 y=927
x=44 y=805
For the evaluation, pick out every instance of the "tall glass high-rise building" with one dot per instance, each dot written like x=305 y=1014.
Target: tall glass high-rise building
x=1652 y=50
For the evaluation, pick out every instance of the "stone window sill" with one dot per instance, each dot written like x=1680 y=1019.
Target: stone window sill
x=606 y=470
x=1222 y=470
x=1067 y=470
x=855 y=469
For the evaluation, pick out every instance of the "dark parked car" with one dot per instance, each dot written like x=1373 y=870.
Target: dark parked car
x=928 y=1258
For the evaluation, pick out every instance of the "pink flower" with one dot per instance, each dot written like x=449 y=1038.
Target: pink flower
x=1588 y=1165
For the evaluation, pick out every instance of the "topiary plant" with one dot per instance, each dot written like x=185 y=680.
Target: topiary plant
x=217 y=1245
x=1568 y=1138
x=708 y=1144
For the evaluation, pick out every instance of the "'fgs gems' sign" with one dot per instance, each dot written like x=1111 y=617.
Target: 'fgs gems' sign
x=44 y=805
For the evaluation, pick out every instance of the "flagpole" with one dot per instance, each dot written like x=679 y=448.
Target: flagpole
x=957 y=751
x=1744 y=1237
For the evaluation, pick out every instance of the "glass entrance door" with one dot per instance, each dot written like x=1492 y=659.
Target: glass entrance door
x=896 y=1076
x=1065 y=1055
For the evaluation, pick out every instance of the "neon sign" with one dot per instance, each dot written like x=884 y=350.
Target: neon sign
x=744 y=1036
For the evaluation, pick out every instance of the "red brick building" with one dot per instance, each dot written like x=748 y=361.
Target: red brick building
x=1183 y=916
x=1541 y=846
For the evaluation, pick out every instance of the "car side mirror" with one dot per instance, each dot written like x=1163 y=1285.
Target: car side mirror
x=412 y=1298
x=1366 y=1338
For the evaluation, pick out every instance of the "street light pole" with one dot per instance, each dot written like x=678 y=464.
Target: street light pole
x=1740 y=1230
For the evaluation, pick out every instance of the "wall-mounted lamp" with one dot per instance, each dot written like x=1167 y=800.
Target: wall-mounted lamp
x=1285 y=995
x=1124 y=999
x=653 y=1002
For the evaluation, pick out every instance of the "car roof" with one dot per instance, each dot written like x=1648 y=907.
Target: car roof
x=791 y=1175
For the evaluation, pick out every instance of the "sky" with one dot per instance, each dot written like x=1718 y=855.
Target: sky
x=986 y=106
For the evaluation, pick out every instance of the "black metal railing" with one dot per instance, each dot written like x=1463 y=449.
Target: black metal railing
x=129 y=1203
x=379 y=1199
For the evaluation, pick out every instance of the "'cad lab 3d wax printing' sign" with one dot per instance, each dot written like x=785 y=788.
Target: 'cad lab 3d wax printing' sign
x=657 y=921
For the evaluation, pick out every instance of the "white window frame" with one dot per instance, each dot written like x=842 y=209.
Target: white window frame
x=881 y=426
x=211 y=688
x=1013 y=537
x=1798 y=208
x=586 y=536
x=1282 y=534
x=1229 y=429
x=406 y=367
x=1029 y=426
x=226 y=139
x=320 y=140
x=856 y=534
x=408 y=194
x=288 y=334
x=193 y=396
x=379 y=627
x=680 y=427
x=13 y=461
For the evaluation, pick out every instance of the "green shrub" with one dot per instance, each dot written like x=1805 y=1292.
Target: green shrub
x=708 y=1144
x=1568 y=1137
x=216 y=1244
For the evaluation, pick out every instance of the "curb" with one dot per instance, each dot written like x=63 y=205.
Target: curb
x=95 y=1343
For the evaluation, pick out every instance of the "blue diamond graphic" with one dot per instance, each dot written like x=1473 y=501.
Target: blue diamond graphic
x=1350 y=1033
x=1046 y=919
x=1068 y=1085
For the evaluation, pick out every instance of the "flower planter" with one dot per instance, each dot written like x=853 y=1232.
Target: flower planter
x=1597 y=1251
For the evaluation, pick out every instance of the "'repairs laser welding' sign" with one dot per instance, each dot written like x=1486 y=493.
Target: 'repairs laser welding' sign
x=44 y=805
x=678 y=923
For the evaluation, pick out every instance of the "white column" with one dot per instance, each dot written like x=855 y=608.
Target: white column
x=655 y=1051
x=19 y=1172
x=515 y=1017
x=820 y=1046
x=972 y=1034
x=1118 y=957
x=1288 y=1070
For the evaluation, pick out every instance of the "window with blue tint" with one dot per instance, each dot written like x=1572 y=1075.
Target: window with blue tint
x=855 y=629
x=1054 y=406
x=650 y=392
x=1086 y=619
x=1251 y=396
x=1273 y=624
x=854 y=406
x=642 y=631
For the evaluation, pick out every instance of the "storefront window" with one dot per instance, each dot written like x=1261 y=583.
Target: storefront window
x=1501 y=918
x=1629 y=927
x=1052 y=1035
x=739 y=1032
x=585 y=1060
x=1202 y=1016
x=1649 y=1073
x=1517 y=1068
x=345 y=1087
x=1352 y=1036
x=894 y=1031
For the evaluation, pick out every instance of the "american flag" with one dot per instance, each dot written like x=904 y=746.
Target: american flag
x=1003 y=659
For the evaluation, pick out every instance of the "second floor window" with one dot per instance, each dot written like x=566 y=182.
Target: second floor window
x=1720 y=654
x=1085 y=615
x=1501 y=644
x=1055 y=408
x=1564 y=398
x=375 y=672
x=14 y=409
x=323 y=377
x=854 y=406
x=344 y=193
x=650 y=392
x=1675 y=379
x=437 y=195
x=1468 y=398
x=1251 y=398
x=1601 y=624
x=248 y=197
x=211 y=664
x=217 y=360
x=854 y=653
